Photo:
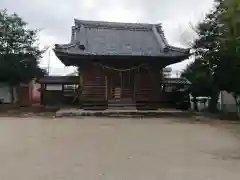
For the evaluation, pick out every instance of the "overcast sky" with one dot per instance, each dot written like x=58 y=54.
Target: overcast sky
x=55 y=17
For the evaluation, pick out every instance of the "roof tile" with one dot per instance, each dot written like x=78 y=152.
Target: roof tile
x=111 y=38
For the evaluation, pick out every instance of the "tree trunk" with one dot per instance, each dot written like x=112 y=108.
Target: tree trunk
x=195 y=104
x=213 y=102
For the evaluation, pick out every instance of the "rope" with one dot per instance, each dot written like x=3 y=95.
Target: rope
x=129 y=69
x=123 y=70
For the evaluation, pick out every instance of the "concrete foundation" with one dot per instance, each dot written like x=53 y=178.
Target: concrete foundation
x=66 y=112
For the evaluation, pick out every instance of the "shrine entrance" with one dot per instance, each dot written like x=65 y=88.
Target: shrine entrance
x=121 y=86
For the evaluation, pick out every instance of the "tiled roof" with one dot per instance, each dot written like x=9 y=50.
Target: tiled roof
x=126 y=39
x=176 y=81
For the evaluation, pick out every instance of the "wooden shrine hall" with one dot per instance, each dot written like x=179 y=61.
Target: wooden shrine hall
x=119 y=63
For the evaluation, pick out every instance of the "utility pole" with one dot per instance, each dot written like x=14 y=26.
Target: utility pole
x=49 y=57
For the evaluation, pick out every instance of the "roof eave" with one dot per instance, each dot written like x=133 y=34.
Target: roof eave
x=66 y=57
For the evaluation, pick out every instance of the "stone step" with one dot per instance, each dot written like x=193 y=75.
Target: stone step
x=126 y=101
x=121 y=105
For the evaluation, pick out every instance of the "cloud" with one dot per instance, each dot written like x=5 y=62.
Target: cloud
x=55 y=17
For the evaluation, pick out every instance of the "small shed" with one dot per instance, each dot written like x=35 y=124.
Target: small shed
x=171 y=84
x=59 y=90
x=175 y=92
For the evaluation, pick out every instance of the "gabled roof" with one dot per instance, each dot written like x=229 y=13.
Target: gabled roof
x=120 y=39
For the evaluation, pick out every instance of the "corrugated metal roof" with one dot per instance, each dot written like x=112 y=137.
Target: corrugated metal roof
x=126 y=39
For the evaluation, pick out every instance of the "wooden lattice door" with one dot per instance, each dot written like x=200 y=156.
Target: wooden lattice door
x=121 y=85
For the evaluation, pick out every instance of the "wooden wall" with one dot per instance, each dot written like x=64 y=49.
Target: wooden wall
x=146 y=91
x=93 y=88
x=147 y=88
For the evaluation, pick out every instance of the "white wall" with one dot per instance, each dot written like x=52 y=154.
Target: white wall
x=5 y=94
x=227 y=102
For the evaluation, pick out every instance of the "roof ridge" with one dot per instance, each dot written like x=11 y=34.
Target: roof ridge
x=113 y=25
x=159 y=35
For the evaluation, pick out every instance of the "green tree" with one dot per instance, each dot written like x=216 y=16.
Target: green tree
x=19 y=51
x=207 y=48
x=218 y=47
x=201 y=80
x=229 y=68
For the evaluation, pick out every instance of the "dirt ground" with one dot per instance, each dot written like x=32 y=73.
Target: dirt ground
x=116 y=149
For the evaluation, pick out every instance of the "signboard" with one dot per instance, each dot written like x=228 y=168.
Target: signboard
x=54 y=87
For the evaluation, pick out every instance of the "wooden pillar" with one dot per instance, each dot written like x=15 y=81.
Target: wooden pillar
x=106 y=89
x=121 y=84
x=63 y=98
x=134 y=87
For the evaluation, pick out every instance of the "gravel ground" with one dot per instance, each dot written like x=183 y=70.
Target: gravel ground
x=116 y=149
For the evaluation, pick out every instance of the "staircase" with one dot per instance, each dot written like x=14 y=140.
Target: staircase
x=122 y=104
